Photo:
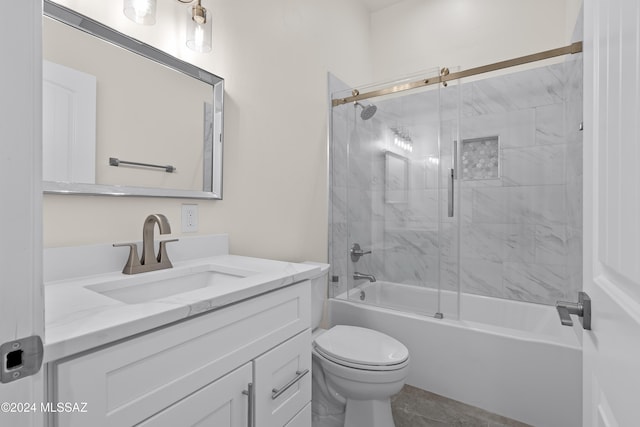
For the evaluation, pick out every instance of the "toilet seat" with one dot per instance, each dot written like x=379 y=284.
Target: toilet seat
x=361 y=348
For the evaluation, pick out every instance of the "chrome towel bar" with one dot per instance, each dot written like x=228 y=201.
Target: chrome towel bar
x=113 y=161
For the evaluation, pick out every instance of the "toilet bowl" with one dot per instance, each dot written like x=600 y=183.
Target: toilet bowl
x=366 y=368
x=355 y=370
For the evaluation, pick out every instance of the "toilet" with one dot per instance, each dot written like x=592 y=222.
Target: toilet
x=355 y=370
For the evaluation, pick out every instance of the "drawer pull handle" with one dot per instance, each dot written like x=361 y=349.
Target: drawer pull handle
x=277 y=392
x=251 y=421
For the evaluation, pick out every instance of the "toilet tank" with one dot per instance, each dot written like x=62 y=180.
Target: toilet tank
x=319 y=286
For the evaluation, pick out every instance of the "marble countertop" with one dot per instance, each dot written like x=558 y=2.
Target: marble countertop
x=78 y=318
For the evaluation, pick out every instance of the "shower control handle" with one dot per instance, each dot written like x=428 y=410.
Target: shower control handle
x=582 y=309
x=356 y=252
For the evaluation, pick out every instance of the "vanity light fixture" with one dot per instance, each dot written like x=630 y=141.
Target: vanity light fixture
x=199 y=28
x=402 y=140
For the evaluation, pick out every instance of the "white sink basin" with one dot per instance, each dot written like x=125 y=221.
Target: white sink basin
x=147 y=287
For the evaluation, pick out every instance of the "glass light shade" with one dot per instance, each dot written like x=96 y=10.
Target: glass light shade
x=199 y=29
x=140 y=11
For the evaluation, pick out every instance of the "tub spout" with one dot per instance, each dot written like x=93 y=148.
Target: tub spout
x=369 y=277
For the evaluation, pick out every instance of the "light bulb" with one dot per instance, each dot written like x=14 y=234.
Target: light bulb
x=140 y=11
x=198 y=38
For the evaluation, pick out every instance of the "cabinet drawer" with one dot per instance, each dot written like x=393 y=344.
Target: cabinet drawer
x=281 y=385
x=220 y=404
x=303 y=419
x=127 y=383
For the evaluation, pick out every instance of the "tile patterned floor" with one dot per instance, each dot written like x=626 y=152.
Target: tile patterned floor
x=414 y=407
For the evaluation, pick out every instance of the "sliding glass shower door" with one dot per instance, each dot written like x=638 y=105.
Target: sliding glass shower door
x=394 y=225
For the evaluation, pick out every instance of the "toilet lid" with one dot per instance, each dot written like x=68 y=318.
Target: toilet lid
x=361 y=346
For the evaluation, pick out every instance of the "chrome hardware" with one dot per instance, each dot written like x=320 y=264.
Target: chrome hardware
x=113 y=161
x=369 y=277
x=250 y=393
x=20 y=358
x=149 y=261
x=450 y=177
x=275 y=393
x=356 y=252
x=582 y=309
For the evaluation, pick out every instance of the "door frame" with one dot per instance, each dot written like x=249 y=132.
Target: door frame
x=21 y=288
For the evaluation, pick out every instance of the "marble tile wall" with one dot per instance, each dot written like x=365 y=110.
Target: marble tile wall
x=520 y=234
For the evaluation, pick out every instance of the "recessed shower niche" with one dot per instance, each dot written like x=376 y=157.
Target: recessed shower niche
x=481 y=158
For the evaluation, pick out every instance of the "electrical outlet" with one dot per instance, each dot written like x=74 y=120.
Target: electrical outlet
x=189 y=218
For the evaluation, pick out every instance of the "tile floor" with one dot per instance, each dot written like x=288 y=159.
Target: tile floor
x=414 y=407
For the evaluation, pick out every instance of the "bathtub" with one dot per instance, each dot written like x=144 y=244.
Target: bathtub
x=508 y=357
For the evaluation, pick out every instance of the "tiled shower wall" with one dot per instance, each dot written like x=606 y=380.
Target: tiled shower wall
x=520 y=233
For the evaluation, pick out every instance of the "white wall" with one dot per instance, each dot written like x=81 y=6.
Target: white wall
x=415 y=35
x=274 y=57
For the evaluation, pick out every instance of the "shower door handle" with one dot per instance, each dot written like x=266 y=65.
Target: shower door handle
x=450 y=191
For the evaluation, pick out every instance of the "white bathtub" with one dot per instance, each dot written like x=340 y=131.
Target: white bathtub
x=511 y=358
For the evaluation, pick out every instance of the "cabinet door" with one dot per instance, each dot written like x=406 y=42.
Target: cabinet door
x=220 y=404
x=282 y=387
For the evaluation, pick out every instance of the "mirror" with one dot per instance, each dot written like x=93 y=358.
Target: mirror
x=396 y=178
x=123 y=118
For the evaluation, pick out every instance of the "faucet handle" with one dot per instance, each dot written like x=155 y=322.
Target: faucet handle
x=133 y=261
x=169 y=240
x=163 y=258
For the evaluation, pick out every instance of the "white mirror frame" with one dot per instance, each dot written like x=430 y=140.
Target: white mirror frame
x=211 y=190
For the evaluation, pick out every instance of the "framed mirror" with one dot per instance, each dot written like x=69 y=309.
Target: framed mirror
x=396 y=178
x=123 y=118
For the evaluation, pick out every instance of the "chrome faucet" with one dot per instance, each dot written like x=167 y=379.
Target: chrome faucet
x=369 y=277
x=149 y=261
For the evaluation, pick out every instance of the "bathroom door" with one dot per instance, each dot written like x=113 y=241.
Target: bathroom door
x=611 y=377
x=21 y=299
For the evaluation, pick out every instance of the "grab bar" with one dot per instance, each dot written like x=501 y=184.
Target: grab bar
x=113 y=161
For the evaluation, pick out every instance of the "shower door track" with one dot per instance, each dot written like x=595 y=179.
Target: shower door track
x=446 y=76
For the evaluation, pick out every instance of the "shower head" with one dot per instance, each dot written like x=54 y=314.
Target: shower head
x=368 y=111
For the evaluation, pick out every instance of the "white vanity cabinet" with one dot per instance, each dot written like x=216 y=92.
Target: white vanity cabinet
x=198 y=371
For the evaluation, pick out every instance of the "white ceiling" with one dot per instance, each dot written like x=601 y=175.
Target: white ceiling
x=374 y=5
